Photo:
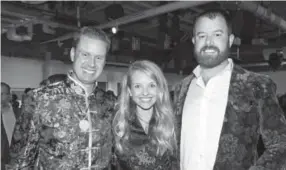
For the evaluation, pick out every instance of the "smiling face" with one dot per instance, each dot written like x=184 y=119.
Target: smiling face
x=88 y=59
x=211 y=41
x=143 y=90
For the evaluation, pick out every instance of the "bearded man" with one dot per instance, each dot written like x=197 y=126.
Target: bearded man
x=222 y=108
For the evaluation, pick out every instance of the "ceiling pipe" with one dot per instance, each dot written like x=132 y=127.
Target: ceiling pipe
x=263 y=13
x=259 y=64
x=32 y=16
x=34 y=2
x=151 y=13
x=139 y=16
x=148 y=6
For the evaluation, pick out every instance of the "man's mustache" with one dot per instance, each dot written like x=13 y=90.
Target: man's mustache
x=210 y=48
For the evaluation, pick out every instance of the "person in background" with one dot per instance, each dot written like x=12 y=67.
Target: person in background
x=25 y=95
x=223 y=109
x=8 y=120
x=144 y=125
x=64 y=125
x=16 y=105
x=14 y=101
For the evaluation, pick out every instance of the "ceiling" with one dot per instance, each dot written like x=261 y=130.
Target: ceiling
x=52 y=24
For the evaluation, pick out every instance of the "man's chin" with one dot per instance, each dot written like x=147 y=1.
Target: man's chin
x=209 y=65
x=89 y=81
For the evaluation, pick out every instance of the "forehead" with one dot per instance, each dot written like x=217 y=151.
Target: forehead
x=92 y=45
x=141 y=77
x=210 y=24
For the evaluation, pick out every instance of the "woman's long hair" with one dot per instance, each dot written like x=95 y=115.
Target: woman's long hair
x=162 y=132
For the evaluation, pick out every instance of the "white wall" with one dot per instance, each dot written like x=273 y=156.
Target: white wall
x=21 y=73
x=279 y=78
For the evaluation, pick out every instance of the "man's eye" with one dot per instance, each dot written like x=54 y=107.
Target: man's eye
x=202 y=36
x=218 y=34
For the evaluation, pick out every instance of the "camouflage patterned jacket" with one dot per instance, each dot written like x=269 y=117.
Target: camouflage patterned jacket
x=252 y=110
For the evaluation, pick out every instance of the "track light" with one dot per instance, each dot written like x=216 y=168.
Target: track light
x=114 y=30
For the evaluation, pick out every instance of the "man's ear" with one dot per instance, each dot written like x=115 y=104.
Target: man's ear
x=193 y=40
x=230 y=39
x=72 y=54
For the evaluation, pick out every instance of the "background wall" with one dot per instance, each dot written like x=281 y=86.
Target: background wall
x=21 y=73
x=279 y=78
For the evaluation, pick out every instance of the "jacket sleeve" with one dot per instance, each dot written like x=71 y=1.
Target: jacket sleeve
x=24 y=146
x=273 y=131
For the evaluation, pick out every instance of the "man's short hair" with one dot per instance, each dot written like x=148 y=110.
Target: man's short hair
x=93 y=32
x=213 y=13
x=7 y=86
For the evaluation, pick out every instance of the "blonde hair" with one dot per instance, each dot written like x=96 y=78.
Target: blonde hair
x=162 y=133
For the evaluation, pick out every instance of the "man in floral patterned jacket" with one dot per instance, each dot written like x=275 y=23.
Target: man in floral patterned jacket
x=222 y=108
x=66 y=125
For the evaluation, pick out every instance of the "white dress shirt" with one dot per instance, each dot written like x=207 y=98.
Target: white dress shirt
x=9 y=121
x=202 y=119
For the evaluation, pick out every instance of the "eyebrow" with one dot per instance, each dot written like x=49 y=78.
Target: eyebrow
x=219 y=30
x=200 y=33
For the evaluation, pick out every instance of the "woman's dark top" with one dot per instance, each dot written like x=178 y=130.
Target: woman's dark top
x=141 y=153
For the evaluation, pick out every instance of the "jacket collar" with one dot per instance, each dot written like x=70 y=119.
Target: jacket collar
x=184 y=86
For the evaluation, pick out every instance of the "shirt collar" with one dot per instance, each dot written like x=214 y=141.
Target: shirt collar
x=197 y=71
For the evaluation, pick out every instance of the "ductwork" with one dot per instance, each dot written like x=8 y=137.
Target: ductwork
x=3 y=30
x=37 y=19
x=263 y=13
x=152 y=12
x=13 y=36
x=34 y=2
x=140 y=15
x=48 y=29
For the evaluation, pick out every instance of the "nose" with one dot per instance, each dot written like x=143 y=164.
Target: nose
x=209 y=40
x=92 y=62
x=145 y=91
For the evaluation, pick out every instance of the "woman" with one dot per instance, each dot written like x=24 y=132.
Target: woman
x=144 y=125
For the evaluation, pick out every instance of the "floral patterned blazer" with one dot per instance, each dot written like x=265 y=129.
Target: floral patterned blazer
x=252 y=110
x=51 y=135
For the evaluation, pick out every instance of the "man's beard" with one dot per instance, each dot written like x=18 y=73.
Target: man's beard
x=211 y=61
